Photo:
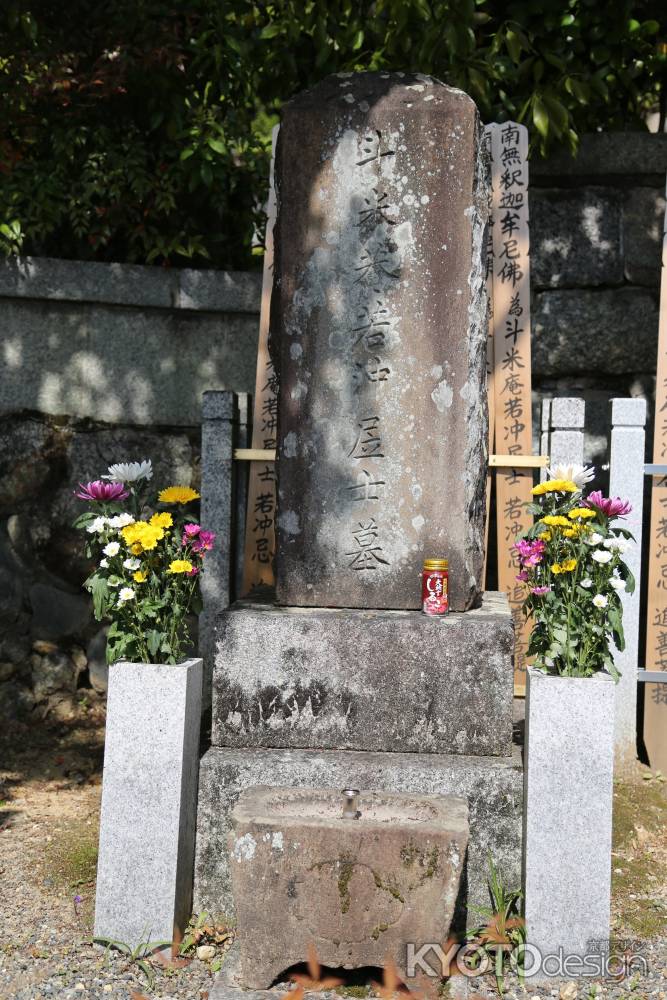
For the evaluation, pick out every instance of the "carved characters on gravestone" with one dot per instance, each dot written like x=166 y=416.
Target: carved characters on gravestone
x=378 y=328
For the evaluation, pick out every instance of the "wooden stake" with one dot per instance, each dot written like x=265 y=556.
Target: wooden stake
x=260 y=536
x=512 y=368
x=655 y=695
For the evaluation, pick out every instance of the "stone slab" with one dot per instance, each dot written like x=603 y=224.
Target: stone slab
x=149 y=802
x=378 y=330
x=609 y=332
x=606 y=155
x=575 y=238
x=643 y=224
x=119 y=364
x=567 y=821
x=350 y=679
x=492 y=786
x=361 y=887
x=130 y=284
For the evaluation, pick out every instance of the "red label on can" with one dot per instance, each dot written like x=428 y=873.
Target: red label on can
x=435 y=591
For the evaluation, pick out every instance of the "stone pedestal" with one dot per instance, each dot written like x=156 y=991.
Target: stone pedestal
x=492 y=787
x=365 y=680
x=360 y=887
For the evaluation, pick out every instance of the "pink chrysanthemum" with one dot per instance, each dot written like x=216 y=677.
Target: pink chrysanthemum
x=610 y=506
x=101 y=492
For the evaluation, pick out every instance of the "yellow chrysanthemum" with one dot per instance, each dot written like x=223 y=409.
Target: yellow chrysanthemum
x=556 y=521
x=163 y=520
x=136 y=548
x=570 y=533
x=565 y=567
x=142 y=533
x=545 y=536
x=140 y=576
x=180 y=566
x=178 y=494
x=555 y=486
x=581 y=512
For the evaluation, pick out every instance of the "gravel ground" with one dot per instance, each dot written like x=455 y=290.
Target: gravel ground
x=50 y=785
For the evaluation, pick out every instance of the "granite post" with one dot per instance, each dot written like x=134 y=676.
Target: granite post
x=378 y=331
x=566 y=445
x=568 y=797
x=219 y=422
x=626 y=480
x=149 y=802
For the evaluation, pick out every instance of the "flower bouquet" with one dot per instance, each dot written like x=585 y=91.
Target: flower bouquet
x=571 y=563
x=149 y=553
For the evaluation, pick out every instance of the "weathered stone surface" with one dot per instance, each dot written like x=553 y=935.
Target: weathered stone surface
x=16 y=701
x=360 y=888
x=575 y=238
x=605 y=155
x=365 y=680
x=378 y=327
x=56 y=613
x=610 y=332
x=149 y=796
x=643 y=224
x=492 y=787
x=129 y=284
x=90 y=363
x=567 y=826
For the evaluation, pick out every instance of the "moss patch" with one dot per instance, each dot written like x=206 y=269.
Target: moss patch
x=639 y=861
x=346 y=863
x=71 y=857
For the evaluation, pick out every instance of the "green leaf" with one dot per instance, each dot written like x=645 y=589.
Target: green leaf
x=98 y=587
x=154 y=641
x=540 y=116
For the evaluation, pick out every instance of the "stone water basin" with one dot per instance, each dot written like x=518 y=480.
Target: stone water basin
x=359 y=889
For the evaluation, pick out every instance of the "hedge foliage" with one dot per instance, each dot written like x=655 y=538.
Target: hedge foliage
x=138 y=130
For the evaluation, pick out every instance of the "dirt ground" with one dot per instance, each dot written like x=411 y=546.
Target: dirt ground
x=50 y=787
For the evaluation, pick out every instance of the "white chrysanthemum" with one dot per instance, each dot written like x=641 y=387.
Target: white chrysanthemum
x=111 y=549
x=578 y=474
x=132 y=564
x=120 y=520
x=594 y=539
x=586 y=584
x=125 y=594
x=601 y=557
x=104 y=563
x=600 y=601
x=616 y=544
x=617 y=583
x=98 y=525
x=129 y=472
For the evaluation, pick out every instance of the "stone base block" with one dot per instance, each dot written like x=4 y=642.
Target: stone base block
x=149 y=802
x=356 y=887
x=394 y=681
x=492 y=787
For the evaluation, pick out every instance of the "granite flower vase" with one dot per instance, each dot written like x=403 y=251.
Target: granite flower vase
x=149 y=801
x=568 y=794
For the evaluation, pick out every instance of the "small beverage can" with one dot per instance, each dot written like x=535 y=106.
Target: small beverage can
x=435 y=587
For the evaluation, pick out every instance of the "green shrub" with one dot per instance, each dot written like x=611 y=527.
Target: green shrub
x=138 y=130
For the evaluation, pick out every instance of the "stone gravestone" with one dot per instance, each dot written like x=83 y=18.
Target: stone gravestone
x=379 y=336
x=378 y=330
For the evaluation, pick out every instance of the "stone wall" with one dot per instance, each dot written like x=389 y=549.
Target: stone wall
x=596 y=232
x=102 y=362
x=99 y=363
